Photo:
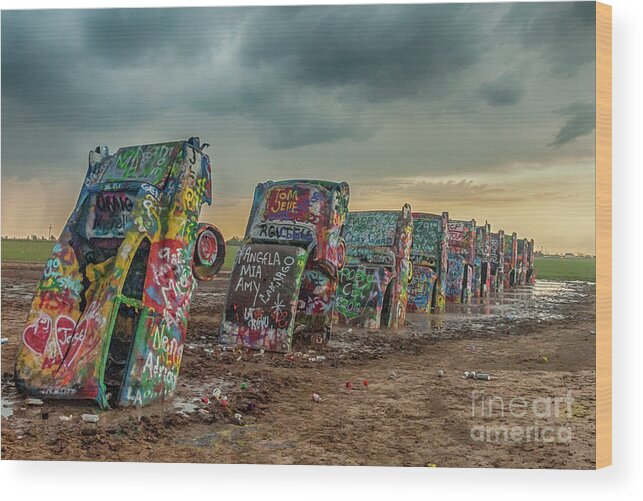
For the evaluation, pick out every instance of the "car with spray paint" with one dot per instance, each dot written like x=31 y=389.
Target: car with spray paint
x=429 y=255
x=460 y=272
x=109 y=317
x=496 y=260
x=286 y=272
x=481 y=272
x=511 y=256
x=531 y=272
x=373 y=285
x=522 y=263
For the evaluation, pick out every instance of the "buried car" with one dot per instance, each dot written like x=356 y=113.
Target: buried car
x=373 y=285
x=286 y=272
x=460 y=273
x=531 y=272
x=496 y=260
x=523 y=275
x=511 y=253
x=429 y=254
x=481 y=272
x=109 y=317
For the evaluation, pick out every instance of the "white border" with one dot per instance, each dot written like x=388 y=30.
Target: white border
x=97 y=481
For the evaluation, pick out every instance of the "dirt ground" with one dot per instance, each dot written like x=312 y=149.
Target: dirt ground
x=409 y=404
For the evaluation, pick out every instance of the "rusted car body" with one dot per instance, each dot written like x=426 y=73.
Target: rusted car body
x=429 y=255
x=373 y=286
x=460 y=275
x=286 y=272
x=109 y=317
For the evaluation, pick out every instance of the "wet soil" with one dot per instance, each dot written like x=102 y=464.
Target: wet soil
x=407 y=403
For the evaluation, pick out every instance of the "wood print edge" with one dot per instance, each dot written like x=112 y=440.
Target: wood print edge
x=603 y=235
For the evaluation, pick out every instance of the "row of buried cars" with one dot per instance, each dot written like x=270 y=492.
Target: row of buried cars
x=108 y=321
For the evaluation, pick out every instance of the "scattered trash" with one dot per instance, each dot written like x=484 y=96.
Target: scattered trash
x=545 y=360
x=20 y=434
x=216 y=393
x=89 y=418
x=316 y=398
x=365 y=383
x=350 y=330
x=237 y=417
x=593 y=333
x=34 y=401
x=203 y=412
x=431 y=465
x=392 y=375
x=440 y=373
x=185 y=407
x=7 y=408
x=4 y=340
x=224 y=402
x=251 y=406
x=205 y=400
x=66 y=418
x=244 y=386
x=483 y=376
x=349 y=385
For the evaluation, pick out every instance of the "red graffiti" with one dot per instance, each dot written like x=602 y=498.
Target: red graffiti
x=36 y=335
x=67 y=342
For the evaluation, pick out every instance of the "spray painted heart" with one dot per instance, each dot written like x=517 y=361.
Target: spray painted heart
x=36 y=335
x=68 y=343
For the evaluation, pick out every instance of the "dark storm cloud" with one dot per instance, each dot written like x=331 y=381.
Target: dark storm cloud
x=105 y=67
x=386 y=52
x=580 y=121
x=563 y=32
x=505 y=90
x=299 y=76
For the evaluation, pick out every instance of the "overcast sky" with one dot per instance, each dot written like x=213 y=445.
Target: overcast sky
x=482 y=110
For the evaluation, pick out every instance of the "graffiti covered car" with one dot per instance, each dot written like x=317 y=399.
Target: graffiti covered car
x=110 y=313
x=511 y=253
x=373 y=285
x=460 y=273
x=286 y=272
x=522 y=261
x=481 y=274
x=429 y=254
x=531 y=272
x=497 y=256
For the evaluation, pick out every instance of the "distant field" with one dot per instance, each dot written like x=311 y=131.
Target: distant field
x=548 y=268
x=570 y=268
x=38 y=251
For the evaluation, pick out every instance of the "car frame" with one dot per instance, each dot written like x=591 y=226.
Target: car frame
x=429 y=255
x=460 y=274
x=373 y=285
x=286 y=272
x=109 y=316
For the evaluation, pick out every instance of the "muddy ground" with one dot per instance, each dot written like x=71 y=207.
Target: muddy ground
x=537 y=411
